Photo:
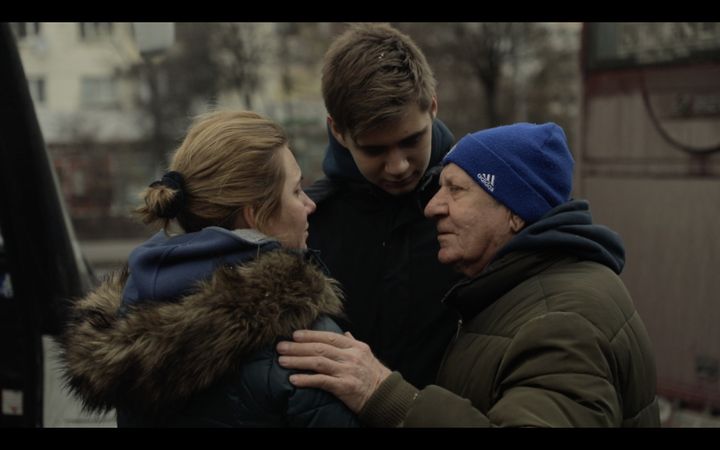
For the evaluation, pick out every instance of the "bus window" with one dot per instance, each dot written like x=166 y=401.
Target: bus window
x=634 y=45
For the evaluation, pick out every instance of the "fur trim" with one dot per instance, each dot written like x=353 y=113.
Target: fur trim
x=159 y=354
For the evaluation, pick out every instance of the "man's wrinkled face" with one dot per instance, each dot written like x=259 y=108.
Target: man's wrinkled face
x=472 y=226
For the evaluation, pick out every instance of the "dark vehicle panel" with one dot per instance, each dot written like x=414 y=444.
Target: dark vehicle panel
x=39 y=255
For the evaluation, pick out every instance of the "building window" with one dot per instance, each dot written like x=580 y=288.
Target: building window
x=94 y=30
x=23 y=30
x=98 y=92
x=37 y=89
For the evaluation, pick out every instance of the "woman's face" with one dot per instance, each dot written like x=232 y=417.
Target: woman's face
x=290 y=225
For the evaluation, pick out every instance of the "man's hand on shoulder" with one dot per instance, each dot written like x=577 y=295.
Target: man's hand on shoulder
x=343 y=366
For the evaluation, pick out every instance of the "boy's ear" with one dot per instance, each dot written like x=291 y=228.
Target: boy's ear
x=335 y=132
x=434 y=106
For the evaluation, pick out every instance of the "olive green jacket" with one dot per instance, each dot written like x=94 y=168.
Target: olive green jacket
x=548 y=340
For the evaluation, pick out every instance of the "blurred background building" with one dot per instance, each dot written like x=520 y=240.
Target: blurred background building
x=110 y=116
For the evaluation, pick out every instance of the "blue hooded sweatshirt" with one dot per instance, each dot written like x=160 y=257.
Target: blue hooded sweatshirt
x=165 y=268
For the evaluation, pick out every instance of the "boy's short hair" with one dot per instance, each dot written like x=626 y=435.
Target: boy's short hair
x=370 y=74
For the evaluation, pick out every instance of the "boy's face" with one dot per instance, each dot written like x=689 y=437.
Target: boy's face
x=394 y=156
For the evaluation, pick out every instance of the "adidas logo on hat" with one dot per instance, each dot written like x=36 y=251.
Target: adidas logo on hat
x=488 y=180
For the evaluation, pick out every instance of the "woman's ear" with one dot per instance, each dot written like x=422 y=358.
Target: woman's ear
x=516 y=223
x=248 y=215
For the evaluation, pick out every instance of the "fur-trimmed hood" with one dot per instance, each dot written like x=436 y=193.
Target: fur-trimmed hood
x=158 y=354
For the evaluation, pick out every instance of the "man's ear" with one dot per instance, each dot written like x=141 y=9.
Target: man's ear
x=516 y=223
x=335 y=132
x=434 y=106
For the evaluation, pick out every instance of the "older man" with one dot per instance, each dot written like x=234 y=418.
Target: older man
x=549 y=335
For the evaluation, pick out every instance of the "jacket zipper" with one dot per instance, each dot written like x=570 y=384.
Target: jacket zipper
x=457 y=334
x=459 y=327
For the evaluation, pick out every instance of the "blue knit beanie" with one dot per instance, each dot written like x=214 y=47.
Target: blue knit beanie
x=526 y=167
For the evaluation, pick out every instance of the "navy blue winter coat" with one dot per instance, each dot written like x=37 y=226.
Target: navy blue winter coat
x=187 y=337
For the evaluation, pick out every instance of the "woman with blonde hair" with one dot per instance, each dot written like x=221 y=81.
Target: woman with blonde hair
x=185 y=334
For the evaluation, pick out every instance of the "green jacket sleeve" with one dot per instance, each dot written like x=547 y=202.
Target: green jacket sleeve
x=558 y=371
x=397 y=403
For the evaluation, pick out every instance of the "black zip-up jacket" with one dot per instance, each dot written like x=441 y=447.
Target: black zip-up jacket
x=383 y=251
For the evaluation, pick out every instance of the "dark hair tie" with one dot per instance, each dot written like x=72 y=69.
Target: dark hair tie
x=173 y=180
